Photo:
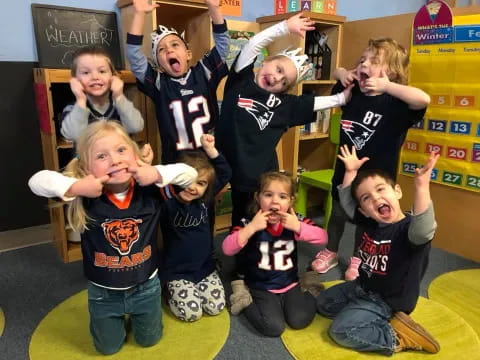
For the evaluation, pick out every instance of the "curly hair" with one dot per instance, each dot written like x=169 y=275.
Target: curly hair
x=394 y=55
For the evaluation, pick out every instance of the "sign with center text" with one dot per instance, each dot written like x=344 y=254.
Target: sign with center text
x=232 y=7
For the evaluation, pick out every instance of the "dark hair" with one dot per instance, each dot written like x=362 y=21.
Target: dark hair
x=199 y=160
x=266 y=179
x=91 y=50
x=365 y=174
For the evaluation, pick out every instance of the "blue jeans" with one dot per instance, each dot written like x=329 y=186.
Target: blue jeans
x=360 y=319
x=107 y=315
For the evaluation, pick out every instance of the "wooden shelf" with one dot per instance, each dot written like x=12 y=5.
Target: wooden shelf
x=64 y=75
x=314 y=135
x=317 y=17
x=64 y=144
x=318 y=82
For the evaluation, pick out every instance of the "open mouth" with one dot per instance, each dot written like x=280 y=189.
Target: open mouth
x=117 y=172
x=174 y=64
x=384 y=210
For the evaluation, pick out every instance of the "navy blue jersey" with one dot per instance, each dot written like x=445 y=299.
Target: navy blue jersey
x=252 y=121
x=377 y=126
x=269 y=258
x=186 y=107
x=187 y=235
x=119 y=248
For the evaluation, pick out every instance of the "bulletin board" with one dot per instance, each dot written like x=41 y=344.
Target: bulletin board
x=445 y=63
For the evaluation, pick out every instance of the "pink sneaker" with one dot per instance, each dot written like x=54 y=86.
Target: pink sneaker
x=352 y=270
x=324 y=261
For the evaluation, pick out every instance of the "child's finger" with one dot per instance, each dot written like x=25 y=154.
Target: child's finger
x=103 y=179
x=291 y=211
x=141 y=163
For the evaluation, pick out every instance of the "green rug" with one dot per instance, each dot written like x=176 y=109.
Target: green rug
x=455 y=336
x=460 y=292
x=2 y=322
x=64 y=334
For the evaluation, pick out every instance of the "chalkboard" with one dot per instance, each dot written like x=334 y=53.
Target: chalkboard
x=60 y=31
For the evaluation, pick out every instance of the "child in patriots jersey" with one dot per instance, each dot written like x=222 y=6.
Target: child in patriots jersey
x=188 y=268
x=184 y=96
x=113 y=202
x=268 y=247
x=98 y=96
x=370 y=314
x=375 y=121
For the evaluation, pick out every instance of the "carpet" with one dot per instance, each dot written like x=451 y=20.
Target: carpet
x=456 y=337
x=2 y=322
x=64 y=334
x=460 y=292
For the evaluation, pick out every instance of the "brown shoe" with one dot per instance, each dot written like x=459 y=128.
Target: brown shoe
x=310 y=281
x=412 y=336
x=240 y=297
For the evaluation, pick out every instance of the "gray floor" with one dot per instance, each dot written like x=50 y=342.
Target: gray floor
x=33 y=280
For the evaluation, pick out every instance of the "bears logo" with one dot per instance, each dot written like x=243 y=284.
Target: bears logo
x=122 y=233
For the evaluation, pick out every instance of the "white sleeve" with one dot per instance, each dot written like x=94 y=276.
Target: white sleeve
x=326 y=102
x=258 y=42
x=176 y=174
x=51 y=184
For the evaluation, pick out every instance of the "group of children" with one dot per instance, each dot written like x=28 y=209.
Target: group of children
x=118 y=200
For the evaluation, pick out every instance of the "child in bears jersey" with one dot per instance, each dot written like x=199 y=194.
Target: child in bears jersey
x=268 y=247
x=370 y=314
x=256 y=112
x=194 y=286
x=375 y=121
x=184 y=96
x=98 y=96
x=114 y=205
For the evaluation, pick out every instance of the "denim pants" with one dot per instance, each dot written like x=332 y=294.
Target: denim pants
x=360 y=318
x=108 y=309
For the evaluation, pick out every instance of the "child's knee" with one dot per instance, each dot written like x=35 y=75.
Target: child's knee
x=214 y=307
x=186 y=310
x=108 y=349
x=274 y=329
x=149 y=340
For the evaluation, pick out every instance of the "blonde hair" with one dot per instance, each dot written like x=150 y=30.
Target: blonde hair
x=266 y=179
x=394 y=55
x=94 y=51
x=79 y=167
x=282 y=58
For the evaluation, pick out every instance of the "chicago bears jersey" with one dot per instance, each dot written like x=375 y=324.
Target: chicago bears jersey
x=119 y=249
x=376 y=126
x=252 y=121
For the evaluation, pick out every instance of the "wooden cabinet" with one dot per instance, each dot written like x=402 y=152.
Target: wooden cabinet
x=311 y=151
x=52 y=92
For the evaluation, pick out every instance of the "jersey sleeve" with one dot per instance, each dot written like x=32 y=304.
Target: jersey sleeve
x=223 y=173
x=422 y=227
x=73 y=119
x=51 y=184
x=230 y=244
x=130 y=117
x=137 y=59
x=221 y=39
x=310 y=232
x=214 y=67
x=301 y=111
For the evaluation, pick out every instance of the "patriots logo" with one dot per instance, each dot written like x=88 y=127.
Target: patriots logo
x=358 y=134
x=259 y=111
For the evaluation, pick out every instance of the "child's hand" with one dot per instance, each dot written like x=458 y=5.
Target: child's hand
x=348 y=92
x=259 y=221
x=378 y=84
x=298 y=24
x=213 y=3
x=423 y=174
x=144 y=6
x=346 y=77
x=116 y=87
x=89 y=186
x=147 y=154
x=208 y=144
x=290 y=220
x=350 y=159
x=144 y=174
x=78 y=90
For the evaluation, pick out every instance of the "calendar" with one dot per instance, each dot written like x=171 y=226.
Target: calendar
x=445 y=63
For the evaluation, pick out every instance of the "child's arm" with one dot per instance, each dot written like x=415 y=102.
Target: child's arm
x=415 y=98
x=136 y=58
x=423 y=225
x=337 y=100
x=346 y=77
x=304 y=229
x=237 y=239
x=74 y=118
x=294 y=25
x=130 y=117
x=223 y=171
x=162 y=175
x=220 y=34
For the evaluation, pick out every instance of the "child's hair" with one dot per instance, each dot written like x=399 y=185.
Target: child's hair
x=79 y=166
x=200 y=162
x=370 y=173
x=395 y=56
x=281 y=57
x=266 y=179
x=91 y=50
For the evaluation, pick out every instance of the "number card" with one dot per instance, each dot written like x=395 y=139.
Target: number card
x=409 y=168
x=452 y=178
x=411 y=145
x=421 y=124
x=476 y=152
x=460 y=127
x=465 y=101
x=436 y=148
x=437 y=125
x=473 y=182
x=456 y=153
x=441 y=100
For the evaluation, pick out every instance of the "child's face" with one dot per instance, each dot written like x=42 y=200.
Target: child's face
x=371 y=64
x=275 y=197
x=173 y=55
x=95 y=74
x=379 y=200
x=277 y=75
x=197 y=189
x=111 y=155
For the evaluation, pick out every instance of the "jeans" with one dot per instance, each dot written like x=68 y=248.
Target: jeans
x=107 y=315
x=360 y=318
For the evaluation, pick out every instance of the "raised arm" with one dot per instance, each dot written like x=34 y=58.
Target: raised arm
x=223 y=171
x=220 y=33
x=421 y=197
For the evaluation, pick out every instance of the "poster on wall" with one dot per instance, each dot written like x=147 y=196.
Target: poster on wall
x=232 y=7
x=445 y=62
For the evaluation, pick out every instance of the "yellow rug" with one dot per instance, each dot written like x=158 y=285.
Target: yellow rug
x=455 y=336
x=64 y=334
x=460 y=292
x=2 y=322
